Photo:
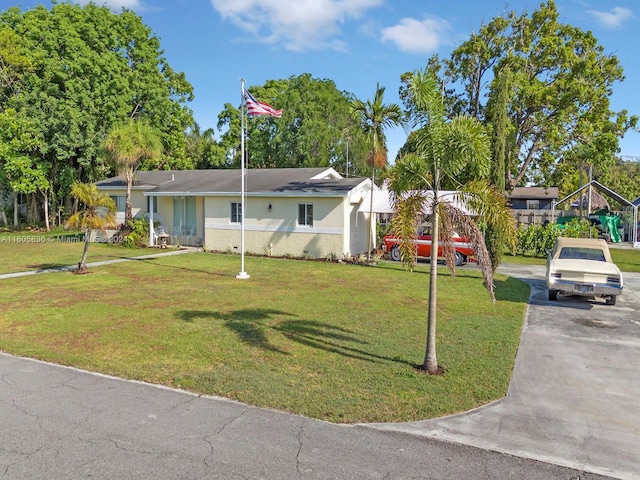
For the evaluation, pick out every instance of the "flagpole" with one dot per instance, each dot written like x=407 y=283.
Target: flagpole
x=242 y=274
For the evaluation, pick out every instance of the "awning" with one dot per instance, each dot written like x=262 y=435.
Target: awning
x=382 y=201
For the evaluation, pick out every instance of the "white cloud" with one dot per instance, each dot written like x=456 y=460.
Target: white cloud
x=414 y=36
x=614 y=17
x=298 y=24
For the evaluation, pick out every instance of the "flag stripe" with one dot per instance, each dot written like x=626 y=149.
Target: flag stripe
x=254 y=107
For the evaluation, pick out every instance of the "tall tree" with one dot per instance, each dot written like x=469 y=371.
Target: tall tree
x=314 y=130
x=372 y=118
x=128 y=145
x=91 y=68
x=561 y=83
x=443 y=149
x=498 y=118
x=97 y=212
x=19 y=151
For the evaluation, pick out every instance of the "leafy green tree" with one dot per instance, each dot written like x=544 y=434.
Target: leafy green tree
x=129 y=145
x=19 y=148
x=558 y=103
x=91 y=69
x=444 y=148
x=315 y=129
x=372 y=118
x=97 y=213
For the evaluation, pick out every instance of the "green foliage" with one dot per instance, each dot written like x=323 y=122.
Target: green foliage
x=90 y=69
x=560 y=82
x=139 y=235
x=536 y=240
x=315 y=130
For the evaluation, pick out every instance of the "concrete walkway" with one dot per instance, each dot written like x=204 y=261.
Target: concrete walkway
x=70 y=268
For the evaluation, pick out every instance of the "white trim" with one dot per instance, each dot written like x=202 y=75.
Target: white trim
x=275 y=228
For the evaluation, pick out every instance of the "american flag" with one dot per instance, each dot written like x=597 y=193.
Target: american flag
x=254 y=107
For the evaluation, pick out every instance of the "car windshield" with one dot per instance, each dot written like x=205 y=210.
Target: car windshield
x=582 y=253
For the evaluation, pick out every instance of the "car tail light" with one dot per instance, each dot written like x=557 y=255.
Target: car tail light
x=613 y=280
x=555 y=275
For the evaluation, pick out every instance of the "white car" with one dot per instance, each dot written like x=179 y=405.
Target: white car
x=583 y=266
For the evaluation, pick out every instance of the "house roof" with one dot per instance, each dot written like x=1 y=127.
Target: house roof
x=531 y=193
x=271 y=181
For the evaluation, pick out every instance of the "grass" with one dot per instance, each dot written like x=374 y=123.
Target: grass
x=26 y=251
x=331 y=341
x=627 y=259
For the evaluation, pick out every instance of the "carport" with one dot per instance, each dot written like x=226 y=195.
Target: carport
x=610 y=193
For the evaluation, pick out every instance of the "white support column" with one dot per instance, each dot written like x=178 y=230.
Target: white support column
x=151 y=239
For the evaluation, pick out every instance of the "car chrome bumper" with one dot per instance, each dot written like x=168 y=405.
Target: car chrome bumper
x=585 y=289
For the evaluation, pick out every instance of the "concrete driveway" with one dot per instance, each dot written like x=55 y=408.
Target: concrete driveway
x=574 y=398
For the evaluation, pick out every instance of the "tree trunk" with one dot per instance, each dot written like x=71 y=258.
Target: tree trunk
x=15 y=209
x=430 y=359
x=128 y=216
x=46 y=210
x=82 y=266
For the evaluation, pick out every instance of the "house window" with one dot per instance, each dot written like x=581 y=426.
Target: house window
x=236 y=212
x=533 y=204
x=305 y=214
x=120 y=201
x=155 y=204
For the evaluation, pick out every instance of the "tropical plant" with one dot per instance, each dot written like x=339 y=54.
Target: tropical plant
x=372 y=118
x=443 y=149
x=557 y=104
x=97 y=213
x=129 y=144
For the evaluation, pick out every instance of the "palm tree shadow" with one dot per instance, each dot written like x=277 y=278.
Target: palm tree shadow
x=246 y=324
x=250 y=327
x=332 y=339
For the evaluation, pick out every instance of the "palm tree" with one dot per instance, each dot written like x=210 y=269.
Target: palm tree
x=372 y=118
x=98 y=214
x=444 y=148
x=128 y=145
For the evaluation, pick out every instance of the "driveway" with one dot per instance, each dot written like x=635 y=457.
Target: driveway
x=574 y=398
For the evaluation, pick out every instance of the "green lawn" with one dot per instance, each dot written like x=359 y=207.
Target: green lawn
x=26 y=251
x=331 y=341
x=627 y=259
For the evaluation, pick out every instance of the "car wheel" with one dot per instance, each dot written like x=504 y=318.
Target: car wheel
x=395 y=253
x=611 y=300
x=553 y=294
x=459 y=259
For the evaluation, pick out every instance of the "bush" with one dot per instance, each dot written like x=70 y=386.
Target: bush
x=536 y=240
x=139 y=235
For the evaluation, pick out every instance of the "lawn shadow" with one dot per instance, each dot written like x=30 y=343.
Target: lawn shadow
x=152 y=261
x=510 y=290
x=47 y=266
x=248 y=325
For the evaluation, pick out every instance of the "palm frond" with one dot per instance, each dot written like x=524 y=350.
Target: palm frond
x=467 y=227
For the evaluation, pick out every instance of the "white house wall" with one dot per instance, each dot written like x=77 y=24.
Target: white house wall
x=277 y=232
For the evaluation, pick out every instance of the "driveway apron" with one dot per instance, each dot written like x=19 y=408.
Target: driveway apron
x=574 y=397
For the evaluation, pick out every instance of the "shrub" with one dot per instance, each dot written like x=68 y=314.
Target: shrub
x=139 y=235
x=536 y=239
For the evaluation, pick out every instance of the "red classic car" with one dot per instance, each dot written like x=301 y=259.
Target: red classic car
x=461 y=245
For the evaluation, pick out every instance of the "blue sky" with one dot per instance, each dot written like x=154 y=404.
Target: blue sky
x=355 y=43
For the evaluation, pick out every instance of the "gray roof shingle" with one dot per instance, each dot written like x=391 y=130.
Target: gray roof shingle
x=535 y=192
x=219 y=182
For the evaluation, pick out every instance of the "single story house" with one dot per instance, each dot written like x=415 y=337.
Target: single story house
x=533 y=198
x=287 y=211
